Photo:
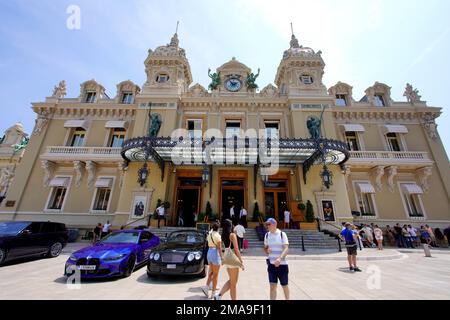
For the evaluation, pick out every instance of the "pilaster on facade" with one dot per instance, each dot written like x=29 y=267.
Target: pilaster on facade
x=423 y=176
x=377 y=173
x=91 y=168
x=392 y=172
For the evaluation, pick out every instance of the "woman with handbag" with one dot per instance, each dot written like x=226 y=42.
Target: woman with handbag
x=214 y=259
x=231 y=260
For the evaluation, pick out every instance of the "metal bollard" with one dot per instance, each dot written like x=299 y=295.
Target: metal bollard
x=426 y=249
x=339 y=243
x=303 y=244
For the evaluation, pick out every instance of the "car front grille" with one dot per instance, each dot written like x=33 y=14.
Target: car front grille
x=173 y=257
x=88 y=262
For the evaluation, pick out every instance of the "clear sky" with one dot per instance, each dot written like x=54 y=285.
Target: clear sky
x=394 y=42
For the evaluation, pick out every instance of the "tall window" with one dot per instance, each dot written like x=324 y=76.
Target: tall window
x=412 y=202
x=379 y=100
x=365 y=202
x=194 y=128
x=78 y=137
x=352 y=141
x=118 y=137
x=90 y=96
x=127 y=98
x=102 y=199
x=57 y=198
x=393 y=142
x=232 y=129
x=272 y=129
x=341 y=100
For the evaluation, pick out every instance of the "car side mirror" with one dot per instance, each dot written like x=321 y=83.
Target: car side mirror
x=25 y=232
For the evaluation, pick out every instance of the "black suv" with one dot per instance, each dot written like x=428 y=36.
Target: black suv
x=20 y=239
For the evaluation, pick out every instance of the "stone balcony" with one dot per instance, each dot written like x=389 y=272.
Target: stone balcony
x=405 y=159
x=99 y=154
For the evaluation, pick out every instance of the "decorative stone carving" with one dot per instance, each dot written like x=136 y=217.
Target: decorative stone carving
x=78 y=167
x=423 y=175
x=41 y=121
x=49 y=168
x=122 y=167
x=392 y=172
x=60 y=90
x=430 y=126
x=346 y=170
x=6 y=176
x=342 y=88
x=91 y=168
x=377 y=174
x=411 y=94
x=270 y=91
x=379 y=88
x=198 y=90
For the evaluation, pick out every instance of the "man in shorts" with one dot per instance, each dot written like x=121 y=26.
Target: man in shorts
x=276 y=245
x=351 y=237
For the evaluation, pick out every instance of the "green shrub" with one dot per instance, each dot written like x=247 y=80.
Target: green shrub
x=309 y=212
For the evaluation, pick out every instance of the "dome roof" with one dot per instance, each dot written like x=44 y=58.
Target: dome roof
x=297 y=50
x=170 y=50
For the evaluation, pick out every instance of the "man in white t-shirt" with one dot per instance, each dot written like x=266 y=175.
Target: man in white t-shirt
x=161 y=215
x=240 y=231
x=243 y=217
x=106 y=228
x=276 y=246
x=287 y=219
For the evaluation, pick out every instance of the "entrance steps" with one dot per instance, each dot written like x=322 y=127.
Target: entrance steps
x=312 y=239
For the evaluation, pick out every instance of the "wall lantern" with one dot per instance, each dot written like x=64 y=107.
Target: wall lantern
x=327 y=177
x=143 y=175
x=205 y=175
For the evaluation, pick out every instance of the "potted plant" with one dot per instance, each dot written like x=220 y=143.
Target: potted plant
x=256 y=213
x=309 y=212
x=208 y=211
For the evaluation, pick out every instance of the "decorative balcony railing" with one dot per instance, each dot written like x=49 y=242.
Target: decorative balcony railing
x=82 y=153
x=389 y=157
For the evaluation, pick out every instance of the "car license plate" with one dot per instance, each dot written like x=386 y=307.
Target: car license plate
x=89 y=268
x=171 y=266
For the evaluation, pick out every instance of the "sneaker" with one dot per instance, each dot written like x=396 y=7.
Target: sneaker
x=217 y=296
x=357 y=269
x=351 y=268
x=205 y=291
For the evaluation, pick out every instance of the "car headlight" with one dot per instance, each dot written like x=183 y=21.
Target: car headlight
x=156 y=256
x=191 y=256
x=117 y=257
x=198 y=255
x=73 y=258
x=152 y=255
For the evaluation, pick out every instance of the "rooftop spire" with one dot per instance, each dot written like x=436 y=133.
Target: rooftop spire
x=174 y=41
x=294 y=41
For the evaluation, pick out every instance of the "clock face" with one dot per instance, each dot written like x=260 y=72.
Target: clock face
x=233 y=84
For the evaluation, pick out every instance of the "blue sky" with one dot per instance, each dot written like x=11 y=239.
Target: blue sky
x=394 y=42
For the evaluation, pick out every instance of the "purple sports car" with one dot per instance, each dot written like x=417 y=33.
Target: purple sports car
x=118 y=254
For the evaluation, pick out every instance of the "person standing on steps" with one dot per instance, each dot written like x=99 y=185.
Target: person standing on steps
x=161 y=215
x=276 y=246
x=350 y=236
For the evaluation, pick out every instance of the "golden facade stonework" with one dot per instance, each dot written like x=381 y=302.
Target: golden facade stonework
x=73 y=170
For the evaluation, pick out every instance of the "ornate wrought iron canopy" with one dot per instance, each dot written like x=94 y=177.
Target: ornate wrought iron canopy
x=246 y=152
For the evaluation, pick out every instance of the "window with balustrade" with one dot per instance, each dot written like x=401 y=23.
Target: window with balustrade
x=393 y=142
x=194 y=128
x=78 y=137
x=117 y=137
x=352 y=140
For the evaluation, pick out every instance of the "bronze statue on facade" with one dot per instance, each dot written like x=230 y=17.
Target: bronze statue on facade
x=154 y=125
x=251 y=79
x=215 y=77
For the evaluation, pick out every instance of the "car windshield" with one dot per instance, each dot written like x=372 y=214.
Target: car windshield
x=122 y=237
x=12 y=228
x=186 y=237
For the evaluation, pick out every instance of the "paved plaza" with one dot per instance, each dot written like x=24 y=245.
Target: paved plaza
x=391 y=274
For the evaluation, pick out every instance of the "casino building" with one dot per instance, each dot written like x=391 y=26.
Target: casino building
x=95 y=158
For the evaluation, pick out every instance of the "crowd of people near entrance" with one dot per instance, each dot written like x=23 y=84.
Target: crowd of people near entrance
x=406 y=236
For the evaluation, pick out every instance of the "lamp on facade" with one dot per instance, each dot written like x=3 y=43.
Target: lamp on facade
x=205 y=175
x=327 y=177
x=143 y=174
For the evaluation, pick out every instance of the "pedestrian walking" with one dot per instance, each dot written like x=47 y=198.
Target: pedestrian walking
x=413 y=232
x=232 y=260
x=276 y=246
x=106 y=229
x=378 y=236
x=243 y=217
x=407 y=237
x=161 y=215
x=399 y=239
x=97 y=233
x=214 y=260
x=240 y=233
x=350 y=238
x=432 y=236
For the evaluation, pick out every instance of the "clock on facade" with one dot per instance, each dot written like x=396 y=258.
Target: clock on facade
x=233 y=84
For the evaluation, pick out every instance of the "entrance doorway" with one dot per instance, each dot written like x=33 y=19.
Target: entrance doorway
x=232 y=193
x=276 y=199
x=188 y=201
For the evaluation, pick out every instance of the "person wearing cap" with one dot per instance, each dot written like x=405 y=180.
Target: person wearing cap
x=276 y=246
x=350 y=236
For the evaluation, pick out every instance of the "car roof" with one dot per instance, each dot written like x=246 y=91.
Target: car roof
x=130 y=231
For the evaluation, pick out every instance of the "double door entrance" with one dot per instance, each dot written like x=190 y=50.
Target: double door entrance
x=188 y=201
x=276 y=199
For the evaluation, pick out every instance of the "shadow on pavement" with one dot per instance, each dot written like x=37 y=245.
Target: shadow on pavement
x=346 y=270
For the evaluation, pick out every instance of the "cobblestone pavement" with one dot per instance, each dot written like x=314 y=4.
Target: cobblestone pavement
x=391 y=274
